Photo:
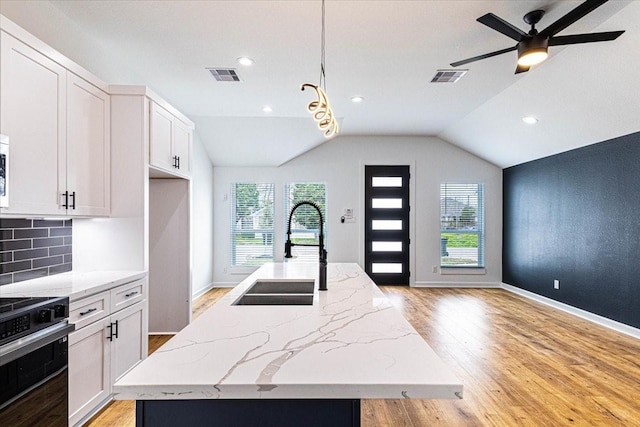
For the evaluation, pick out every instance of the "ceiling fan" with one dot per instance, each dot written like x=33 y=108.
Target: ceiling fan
x=532 y=46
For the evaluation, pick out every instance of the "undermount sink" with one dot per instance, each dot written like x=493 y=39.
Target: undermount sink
x=278 y=292
x=282 y=287
x=275 y=299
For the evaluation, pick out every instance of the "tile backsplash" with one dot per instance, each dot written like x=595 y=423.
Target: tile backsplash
x=31 y=248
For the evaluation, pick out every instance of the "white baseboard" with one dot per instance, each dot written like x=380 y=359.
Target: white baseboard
x=600 y=320
x=224 y=284
x=456 y=285
x=202 y=291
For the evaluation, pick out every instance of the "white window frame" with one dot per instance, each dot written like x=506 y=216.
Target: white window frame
x=264 y=207
x=455 y=224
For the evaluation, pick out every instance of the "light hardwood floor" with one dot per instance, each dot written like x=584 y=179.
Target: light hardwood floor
x=522 y=364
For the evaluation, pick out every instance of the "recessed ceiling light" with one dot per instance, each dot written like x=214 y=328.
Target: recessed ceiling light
x=530 y=120
x=246 y=61
x=357 y=99
x=267 y=109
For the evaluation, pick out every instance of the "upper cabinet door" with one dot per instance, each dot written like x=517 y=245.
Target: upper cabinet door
x=33 y=115
x=161 y=134
x=182 y=146
x=88 y=148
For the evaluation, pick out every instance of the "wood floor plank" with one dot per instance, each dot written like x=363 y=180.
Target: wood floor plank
x=522 y=364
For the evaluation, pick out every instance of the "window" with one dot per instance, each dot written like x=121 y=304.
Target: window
x=305 y=226
x=462 y=225
x=252 y=224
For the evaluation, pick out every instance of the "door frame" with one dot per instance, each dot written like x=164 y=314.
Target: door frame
x=412 y=211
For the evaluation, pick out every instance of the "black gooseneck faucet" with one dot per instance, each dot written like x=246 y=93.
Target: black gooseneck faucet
x=322 y=274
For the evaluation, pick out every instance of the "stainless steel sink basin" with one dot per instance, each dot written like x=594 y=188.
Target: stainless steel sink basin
x=282 y=287
x=278 y=292
x=274 y=299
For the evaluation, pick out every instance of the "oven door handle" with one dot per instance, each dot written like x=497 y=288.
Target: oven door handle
x=25 y=345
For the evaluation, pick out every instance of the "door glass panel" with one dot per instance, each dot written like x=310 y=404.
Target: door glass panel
x=382 y=224
x=386 y=181
x=386 y=267
x=386 y=246
x=386 y=203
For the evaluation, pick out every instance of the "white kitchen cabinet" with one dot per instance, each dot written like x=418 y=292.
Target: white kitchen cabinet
x=32 y=114
x=58 y=125
x=89 y=369
x=110 y=338
x=170 y=142
x=128 y=348
x=88 y=148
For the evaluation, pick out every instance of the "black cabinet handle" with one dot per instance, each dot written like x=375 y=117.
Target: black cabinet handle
x=66 y=200
x=113 y=334
x=73 y=197
x=178 y=162
x=175 y=162
x=116 y=334
x=91 y=310
x=130 y=294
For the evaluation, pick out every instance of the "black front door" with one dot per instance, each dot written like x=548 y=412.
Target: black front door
x=387 y=224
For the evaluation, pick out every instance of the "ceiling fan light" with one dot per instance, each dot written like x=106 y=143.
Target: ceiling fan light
x=532 y=57
x=532 y=51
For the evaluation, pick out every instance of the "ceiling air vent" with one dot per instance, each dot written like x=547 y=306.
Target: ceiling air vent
x=448 y=76
x=225 y=74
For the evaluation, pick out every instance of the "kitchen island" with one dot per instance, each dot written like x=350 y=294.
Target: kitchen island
x=288 y=364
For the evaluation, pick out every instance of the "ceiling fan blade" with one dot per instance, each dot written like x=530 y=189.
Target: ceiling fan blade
x=502 y=26
x=521 y=69
x=485 y=56
x=584 y=38
x=571 y=17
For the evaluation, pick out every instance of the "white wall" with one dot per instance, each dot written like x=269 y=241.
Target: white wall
x=201 y=219
x=340 y=163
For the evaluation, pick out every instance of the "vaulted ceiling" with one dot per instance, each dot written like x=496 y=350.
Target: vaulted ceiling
x=384 y=51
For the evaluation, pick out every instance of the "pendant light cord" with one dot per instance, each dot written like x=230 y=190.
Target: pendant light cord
x=323 y=79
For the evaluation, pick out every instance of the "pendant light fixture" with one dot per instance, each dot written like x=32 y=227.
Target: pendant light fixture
x=322 y=113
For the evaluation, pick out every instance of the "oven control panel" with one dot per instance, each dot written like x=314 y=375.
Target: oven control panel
x=14 y=326
x=23 y=316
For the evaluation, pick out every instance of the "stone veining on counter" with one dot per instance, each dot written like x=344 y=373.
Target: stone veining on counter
x=351 y=343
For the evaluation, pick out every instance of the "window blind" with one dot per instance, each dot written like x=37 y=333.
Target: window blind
x=461 y=225
x=252 y=228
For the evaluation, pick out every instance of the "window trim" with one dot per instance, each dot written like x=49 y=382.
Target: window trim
x=481 y=233
x=245 y=268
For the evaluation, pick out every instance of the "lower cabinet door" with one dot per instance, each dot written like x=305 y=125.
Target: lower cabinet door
x=89 y=369
x=129 y=347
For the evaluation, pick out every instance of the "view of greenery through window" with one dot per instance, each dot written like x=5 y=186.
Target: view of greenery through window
x=305 y=226
x=252 y=228
x=461 y=225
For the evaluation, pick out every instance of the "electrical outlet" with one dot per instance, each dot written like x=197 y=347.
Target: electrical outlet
x=434 y=269
x=556 y=284
x=224 y=269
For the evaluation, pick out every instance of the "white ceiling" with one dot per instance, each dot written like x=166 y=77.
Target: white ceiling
x=386 y=51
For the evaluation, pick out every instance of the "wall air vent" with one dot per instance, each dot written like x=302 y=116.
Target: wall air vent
x=225 y=74
x=448 y=76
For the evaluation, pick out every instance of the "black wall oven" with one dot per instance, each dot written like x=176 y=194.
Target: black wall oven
x=33 y=361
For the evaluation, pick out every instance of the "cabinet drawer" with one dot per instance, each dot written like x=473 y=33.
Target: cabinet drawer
x=126 y=295
x=87 y=310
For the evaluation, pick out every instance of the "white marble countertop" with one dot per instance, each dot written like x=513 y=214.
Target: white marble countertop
x=350 y=344
x=75 y=285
